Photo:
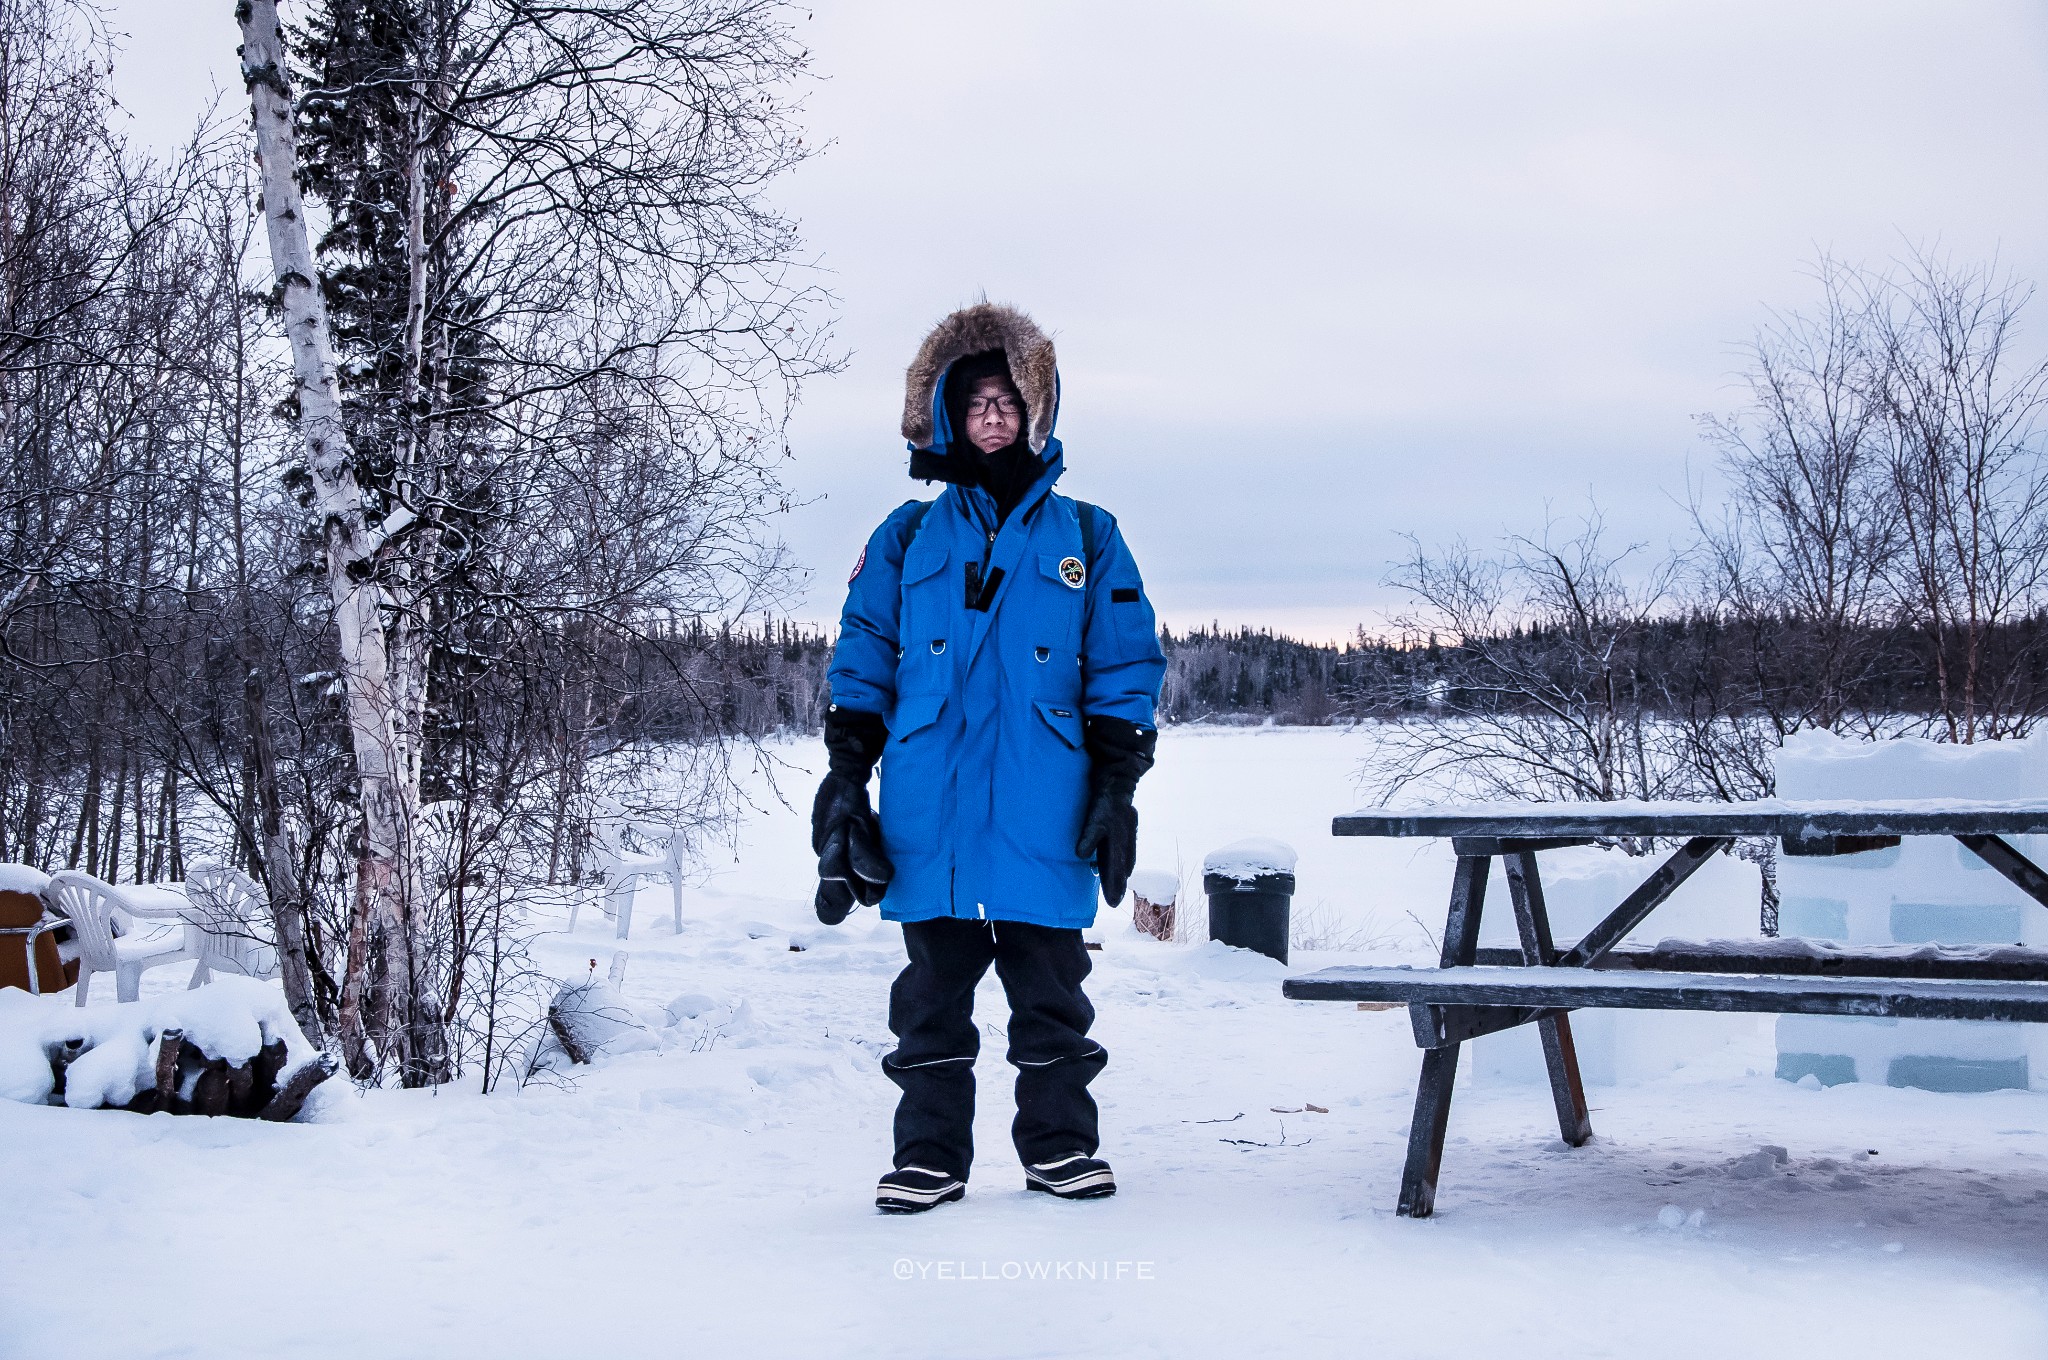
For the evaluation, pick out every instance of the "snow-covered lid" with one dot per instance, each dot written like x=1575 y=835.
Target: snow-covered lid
x=1155 y=886
x=22 y=878
x=1249 y=858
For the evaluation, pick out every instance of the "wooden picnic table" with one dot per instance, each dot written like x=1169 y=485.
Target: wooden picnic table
x=1474 y=991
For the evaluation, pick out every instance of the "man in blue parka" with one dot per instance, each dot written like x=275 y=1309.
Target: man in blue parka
x=998 y=657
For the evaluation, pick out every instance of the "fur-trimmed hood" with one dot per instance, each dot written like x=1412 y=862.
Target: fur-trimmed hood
x=974 y=330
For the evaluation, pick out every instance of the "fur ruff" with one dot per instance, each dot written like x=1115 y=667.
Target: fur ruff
x=971 y=330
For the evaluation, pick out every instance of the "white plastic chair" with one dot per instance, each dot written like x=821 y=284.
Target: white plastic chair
x=229 y=923
x=109 y=938
x=622 y=870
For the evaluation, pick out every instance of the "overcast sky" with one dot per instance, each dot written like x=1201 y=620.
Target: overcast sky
x=1323 y=273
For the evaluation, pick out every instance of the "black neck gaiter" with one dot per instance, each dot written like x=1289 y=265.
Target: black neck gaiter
x=1006 y=474
x=1010 y=471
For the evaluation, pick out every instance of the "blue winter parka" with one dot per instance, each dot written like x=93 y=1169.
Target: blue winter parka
x=985 y=779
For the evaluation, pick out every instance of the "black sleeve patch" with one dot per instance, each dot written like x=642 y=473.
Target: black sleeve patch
x=1124 y=595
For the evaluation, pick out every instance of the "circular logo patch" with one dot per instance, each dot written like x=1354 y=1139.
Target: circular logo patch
x=1072 y=572
x=859 y=562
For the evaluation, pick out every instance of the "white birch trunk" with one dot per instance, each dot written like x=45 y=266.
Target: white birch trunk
x=411 y=621
x=389 y=799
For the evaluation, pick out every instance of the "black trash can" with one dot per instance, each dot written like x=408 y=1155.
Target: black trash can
x=1251 y=913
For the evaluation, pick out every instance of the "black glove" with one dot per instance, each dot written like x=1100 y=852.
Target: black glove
x=1119 y=753
x=845 y=833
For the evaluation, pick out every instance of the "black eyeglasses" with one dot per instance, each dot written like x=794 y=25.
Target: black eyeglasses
x=979 y=406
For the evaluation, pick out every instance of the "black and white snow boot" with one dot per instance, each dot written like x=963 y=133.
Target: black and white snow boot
x=1075 y=1177
x=913 y=1189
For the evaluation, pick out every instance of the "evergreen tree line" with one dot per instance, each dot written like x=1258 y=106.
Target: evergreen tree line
x=1695 y=661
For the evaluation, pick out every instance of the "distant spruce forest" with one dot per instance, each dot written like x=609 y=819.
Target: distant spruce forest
x=774 y=674
x=775 y=678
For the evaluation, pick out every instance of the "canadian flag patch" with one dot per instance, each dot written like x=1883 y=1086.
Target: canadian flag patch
x=858 y=563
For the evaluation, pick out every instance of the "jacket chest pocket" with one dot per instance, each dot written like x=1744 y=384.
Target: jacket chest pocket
x=1056 y=600
x=927 y=620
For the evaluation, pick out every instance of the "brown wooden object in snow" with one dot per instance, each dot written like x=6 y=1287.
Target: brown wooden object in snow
x=27 y=931
x=1152 y=918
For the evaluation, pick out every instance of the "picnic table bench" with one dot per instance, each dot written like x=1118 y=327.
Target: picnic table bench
x=1475 y=991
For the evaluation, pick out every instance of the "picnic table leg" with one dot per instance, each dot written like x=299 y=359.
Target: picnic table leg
x=1440 y=1065
x=1426 y=1134
x=1560 y=1055
x=1468 y=896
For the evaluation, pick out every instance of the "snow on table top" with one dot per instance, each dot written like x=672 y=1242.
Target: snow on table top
x=1803 y=947
x=1524 y=986
x=22 y=878
x=1526 y=978
x=155 y=899
x=1764 y=816
x=1250 y=857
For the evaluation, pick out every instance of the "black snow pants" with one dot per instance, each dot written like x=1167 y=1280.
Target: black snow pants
x=931 y=1012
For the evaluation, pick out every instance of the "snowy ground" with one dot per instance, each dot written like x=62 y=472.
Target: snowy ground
x=718 y=1202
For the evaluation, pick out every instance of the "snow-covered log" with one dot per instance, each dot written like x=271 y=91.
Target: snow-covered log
x=592 y=1018
x=592 y=1022
x=229 y=1048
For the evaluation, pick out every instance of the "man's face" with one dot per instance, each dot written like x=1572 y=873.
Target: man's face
x=994 y=413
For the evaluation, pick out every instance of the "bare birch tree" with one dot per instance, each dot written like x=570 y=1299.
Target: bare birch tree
x=1808 y=530
x=1887 y=507
x=386 y=885
x=1964 y=447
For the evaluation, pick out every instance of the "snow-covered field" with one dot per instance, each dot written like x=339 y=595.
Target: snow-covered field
x=714 y=1198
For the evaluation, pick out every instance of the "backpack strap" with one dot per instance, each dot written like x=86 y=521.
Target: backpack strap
x=924 y=512
x=1091 y=536
x=1091 y=532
